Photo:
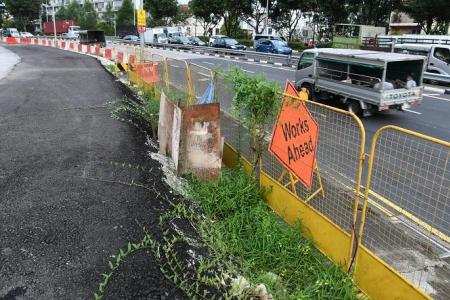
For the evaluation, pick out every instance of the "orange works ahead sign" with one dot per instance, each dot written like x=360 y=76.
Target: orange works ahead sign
x=295 y=136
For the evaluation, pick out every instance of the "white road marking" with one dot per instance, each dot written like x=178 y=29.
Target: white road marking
x=260 y=65
x=443 y=99
x=431 y=94
x=208 y=63
x=411 y=111
x=248 y=71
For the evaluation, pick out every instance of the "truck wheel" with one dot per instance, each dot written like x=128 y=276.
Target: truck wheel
x=354 y=107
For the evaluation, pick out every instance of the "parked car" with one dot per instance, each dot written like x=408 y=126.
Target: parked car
x=213 y=38
x=26 y=35
x=258 y=37
x=273 y=46
x=228 y=43
x=11 y=32
x=196 y=41
x=131 y=37
x=180 y=40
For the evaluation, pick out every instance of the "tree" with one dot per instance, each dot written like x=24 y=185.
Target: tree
x=108 y=20
x=71 y=12
x=182 y=15
x=433 y=16
x=125 y=14
x=24 y=12
x=88 y=16
x=372 y=12
x=232 y=12
x=256 y=17
x=288 y=13
x=207 y=12
x=109 y=14
x=162 y=12
x=61 y=13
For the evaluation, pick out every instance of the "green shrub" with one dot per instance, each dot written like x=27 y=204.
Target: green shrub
x=299 y=46
x=256 y=103
x=107 y=28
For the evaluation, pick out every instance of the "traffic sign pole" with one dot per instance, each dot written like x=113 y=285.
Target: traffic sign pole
x=141 y=22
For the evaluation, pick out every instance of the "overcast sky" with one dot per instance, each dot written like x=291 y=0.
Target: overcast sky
x=183 y=1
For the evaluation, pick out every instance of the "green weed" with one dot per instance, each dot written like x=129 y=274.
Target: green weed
x=267 y=250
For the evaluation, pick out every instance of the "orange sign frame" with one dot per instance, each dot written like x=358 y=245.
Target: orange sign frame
x=295 y=136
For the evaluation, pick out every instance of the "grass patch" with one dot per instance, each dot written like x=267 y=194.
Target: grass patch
x=267 y=250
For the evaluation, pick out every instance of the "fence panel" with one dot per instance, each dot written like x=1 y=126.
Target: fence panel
x=236 y=136
x=336 y=186
x=201 y=78
x=407 y=214
x=177 y=74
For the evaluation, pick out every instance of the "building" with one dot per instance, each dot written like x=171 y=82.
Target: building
x=401 y=23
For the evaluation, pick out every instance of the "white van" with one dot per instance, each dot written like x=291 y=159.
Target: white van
x=438 y=59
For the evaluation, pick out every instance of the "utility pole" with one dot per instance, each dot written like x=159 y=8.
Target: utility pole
x=141 y=34
x=54 y=22
x=267 y=16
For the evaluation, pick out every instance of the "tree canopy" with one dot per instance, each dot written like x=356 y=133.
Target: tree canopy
x=162 y=12
x=207 y=12
x=125 y=15
x=88 y=16
x=24 y=12
x=432 y=16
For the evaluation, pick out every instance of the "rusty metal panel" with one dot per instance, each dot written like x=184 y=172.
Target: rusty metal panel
x=166 y=111
x=200 y=141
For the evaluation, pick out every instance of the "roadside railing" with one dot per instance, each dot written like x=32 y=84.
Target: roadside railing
x=285 y=60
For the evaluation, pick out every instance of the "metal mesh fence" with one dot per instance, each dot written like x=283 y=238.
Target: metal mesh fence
x=408 y=214
x=177 y=74
x=339 y=149
x=201 y=78
x=231 y=129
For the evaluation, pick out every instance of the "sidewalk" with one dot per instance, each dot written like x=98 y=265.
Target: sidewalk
x=7 y=61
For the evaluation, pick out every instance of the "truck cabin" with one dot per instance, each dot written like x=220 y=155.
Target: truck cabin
x=371 y=70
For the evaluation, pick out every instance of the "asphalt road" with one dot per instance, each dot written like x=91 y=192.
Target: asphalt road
x=67 y=202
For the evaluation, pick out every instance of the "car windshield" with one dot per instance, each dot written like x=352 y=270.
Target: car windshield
x=196 y=39
x=279 y=43
x=184 y=39
x=231 y=42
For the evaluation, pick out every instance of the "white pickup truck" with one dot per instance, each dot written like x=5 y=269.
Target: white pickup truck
x=73 y=33
x=366 y=81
